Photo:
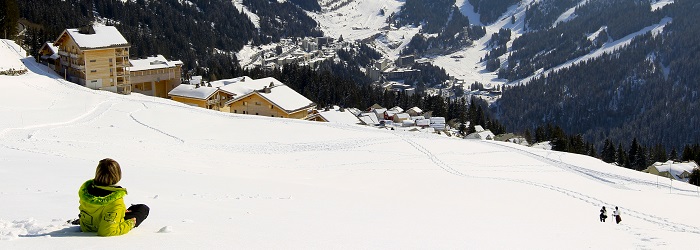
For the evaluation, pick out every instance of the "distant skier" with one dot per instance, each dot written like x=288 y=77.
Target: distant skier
x=603 y=214
x=102 y=208
x=616 y=214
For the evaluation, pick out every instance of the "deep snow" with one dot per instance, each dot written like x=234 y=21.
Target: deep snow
x=217 y=180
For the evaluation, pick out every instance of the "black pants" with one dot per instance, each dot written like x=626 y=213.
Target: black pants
x=138 y=211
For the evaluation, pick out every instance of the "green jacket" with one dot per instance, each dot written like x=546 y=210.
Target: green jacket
x=103 y=214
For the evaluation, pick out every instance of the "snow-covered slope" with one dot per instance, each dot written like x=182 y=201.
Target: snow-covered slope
x=216 y=180
x=360 y=19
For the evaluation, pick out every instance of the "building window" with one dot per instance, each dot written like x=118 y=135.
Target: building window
x=245 y=112
x=257 y=103
x=93 y=71
x=93 y=81
x=271 y=107
x=235 y=111
x=257 y=114
x=110 y=60
x=245 y=103
x=93 y=60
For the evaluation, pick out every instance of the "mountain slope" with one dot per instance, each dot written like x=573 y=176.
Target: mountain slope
x=225 y=180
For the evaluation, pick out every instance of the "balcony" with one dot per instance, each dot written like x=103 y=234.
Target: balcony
x=65 y=63
x=78 y=67
x=63 y=53
x=74 y=56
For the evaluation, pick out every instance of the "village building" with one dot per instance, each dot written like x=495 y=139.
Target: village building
x=243 y=95
x=336 y=115
x=200 y=96
x=415 y=111
x=48 y=54
x=400 y=117
x=155 y=76
x=679 y=171
x=96 y=57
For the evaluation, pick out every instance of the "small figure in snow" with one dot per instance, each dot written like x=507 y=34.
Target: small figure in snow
x=616 y=214
x=102 y=208
x=603 y=214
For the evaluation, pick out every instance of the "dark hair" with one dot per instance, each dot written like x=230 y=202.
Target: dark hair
x=108 y=172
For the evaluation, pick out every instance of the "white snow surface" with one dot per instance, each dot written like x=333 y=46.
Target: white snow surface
x=244 y=9
x=11 y=53
x=658 y=4
x=220 y=180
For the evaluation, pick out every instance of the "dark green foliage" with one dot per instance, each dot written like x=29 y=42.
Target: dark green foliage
x=647 y=90
x=181 y=31
x=491 y=10
x=544 y=49
x=542 y=14
x=608 y=154
x=433 y=15
x=437 y=17
x=310 y=5
x=695 y=177
x=9 y=16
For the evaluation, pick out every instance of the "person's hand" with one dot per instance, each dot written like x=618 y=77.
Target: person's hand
x=127 y=211
x=133 y=220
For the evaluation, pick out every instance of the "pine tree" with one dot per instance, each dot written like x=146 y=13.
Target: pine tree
x=9 y=16
x=621 y=156
x=674 y=155
x=608 y=153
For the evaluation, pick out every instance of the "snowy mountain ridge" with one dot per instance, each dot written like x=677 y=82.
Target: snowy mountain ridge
x=222 y=180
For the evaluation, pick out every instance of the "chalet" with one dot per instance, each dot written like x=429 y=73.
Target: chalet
x=265 y=97
x=336 y=115
x=96 y=57
x=379 y=113
x=400 y=117
x=415 y=111
x=438 y=123
x=155 y=76
x=679 y=171
x=48 y=54
x=200 y=96
x=368 y=119
x=482 y=135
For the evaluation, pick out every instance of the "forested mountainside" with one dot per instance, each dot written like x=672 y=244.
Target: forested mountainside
x=647 y=90
x=191 y=31
x=439 y=17
x=491 y=10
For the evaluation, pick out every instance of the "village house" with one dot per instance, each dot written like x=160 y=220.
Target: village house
x=200 y=96
x=336 y=115
x=155 y=76
x=243 y=95
x=679 y=171
x=96 y=57
x=48 y=54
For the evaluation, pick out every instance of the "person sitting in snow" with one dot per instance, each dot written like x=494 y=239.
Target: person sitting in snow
x=603 y=214
x=102 y=208
x=616 y=214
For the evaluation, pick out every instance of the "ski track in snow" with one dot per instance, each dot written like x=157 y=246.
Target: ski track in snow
x=131 y=114
x=663 y=222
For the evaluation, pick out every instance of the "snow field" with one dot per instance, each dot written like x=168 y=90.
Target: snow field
x=216 y=180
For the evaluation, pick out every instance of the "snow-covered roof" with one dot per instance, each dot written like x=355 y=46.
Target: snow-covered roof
x=152 y=62
x=337 y=116
x=281 y=95
x=478 y=128
x=368 y=118
x=192 y=91
x=402 y=116
x=483 y=135
x=675 y=168
x=51 y=47
x=104 y=36
x=417 y=110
